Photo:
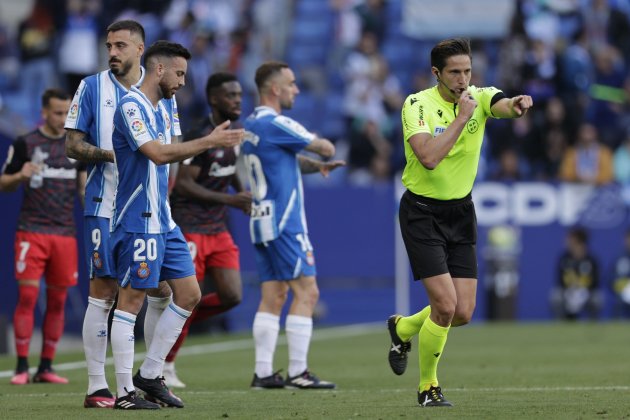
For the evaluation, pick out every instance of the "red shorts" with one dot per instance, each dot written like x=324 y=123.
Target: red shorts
x=218 y=251
x=52 y=256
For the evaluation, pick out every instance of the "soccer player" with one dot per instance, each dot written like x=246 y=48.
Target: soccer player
x=443 y=131
x=89 y=124
x=147 y=245
x=284 y=255
x=45 y=243
x=200 y=202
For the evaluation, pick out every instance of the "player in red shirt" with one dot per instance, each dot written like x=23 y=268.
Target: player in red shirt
x=200 y=203
x=45 y=242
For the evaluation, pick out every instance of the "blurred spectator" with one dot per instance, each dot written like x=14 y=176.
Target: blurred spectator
x=347 y=31
x=607 y=25
x=371 y=13
x=372 y=100
x=576 y=75
x=621 y=280
x=79 y=45
x=509 y=167
x=539 y=70
x=588 y=161
x=607 y=95
x=577 y=292
x=622 y=162
x=36 y=38
x=547 y=166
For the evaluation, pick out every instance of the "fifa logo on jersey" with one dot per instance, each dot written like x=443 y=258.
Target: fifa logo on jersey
x=96 y=260
x=438 y=131
x=143 y=270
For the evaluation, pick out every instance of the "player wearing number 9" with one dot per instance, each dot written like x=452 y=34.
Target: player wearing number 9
x=284 y=255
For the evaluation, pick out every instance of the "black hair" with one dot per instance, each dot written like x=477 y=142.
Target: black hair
x=217 y=79
x=129 y=25
x=54 y=93
x=165 y=49
x=448 y=48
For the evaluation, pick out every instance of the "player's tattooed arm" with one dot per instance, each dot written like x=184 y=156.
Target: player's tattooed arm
x=79 y=149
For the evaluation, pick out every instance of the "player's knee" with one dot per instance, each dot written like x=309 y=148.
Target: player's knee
x=27 y=297
x=104 y=289
x=231 y=299
x=443 y=311
x=189 y=299
x=162 y=291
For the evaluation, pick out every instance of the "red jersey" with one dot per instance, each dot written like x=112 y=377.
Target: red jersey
x=49 y=207
x=218 y=167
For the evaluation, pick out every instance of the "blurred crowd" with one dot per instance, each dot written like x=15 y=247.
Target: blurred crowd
x=571 y=56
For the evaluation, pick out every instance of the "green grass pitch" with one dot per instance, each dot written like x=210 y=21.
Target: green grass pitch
x=488 y=370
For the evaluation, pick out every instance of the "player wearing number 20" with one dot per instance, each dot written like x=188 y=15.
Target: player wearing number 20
x=284 y=255
x=147 y=245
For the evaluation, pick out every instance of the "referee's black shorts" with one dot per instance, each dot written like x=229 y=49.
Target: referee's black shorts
x=440 y=235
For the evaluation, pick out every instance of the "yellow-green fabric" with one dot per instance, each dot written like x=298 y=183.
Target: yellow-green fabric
x=408 y=326
x=427 y=112
x=431 y=342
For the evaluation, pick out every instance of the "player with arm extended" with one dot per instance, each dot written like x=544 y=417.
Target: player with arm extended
x=147 y=246
x=284 y=255
x=443 y=130
x=200 y=203
x=89 y=124
x=45 y=242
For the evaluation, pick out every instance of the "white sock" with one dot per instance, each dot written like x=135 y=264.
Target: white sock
x=95 y=342
x=167 y=331
x=266 y=327
x=155 y=308
x=299 y=331
x=123 y=341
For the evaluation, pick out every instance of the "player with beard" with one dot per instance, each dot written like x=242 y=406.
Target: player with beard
x=200 y=202
x=89 y=139
x=147 y=246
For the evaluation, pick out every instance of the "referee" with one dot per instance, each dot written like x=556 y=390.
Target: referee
x=443 y=129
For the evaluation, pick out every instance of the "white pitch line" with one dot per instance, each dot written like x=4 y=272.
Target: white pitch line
x=242 y=344
x=361 y=391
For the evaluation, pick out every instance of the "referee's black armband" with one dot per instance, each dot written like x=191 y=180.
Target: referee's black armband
x=496 y=98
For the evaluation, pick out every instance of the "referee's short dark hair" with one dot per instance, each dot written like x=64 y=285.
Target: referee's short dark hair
x=448 y=48
x=54 y=93
x=217 y=79
x=130 y=25
x=165 y=49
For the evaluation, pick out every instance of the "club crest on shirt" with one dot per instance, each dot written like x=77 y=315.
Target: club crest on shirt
x=96 y=260
x=143 y=270
x=20 y=266
x=310 y=259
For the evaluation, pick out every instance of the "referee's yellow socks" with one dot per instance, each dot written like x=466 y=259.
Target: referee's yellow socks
x=431 y=342
x=408 y=326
